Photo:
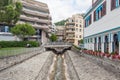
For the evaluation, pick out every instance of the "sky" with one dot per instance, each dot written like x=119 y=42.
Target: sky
x=63 y=9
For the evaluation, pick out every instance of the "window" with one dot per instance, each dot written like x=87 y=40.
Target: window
x=76 y=29
x=91 y=40
x=76 y=25
x=80 y=36
x=80 y=30
x=80 y=26
x=4 y=29
x=100 y=11
x=115 y=4
x=76 y=36
x=80 y=21
x=88 y=40
x=88 y=21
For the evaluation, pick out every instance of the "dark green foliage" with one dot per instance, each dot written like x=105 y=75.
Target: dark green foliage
x=53 y=38
x=9 y=11
x=23 y=30
x=76 y=47
x=81 y=41
x=6 y=44
x=60 y=23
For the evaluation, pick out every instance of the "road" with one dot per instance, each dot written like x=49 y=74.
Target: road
x=48 y=66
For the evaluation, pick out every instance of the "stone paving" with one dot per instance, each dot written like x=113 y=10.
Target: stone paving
x=38 y=68
x=10 y=61
x=28 y=70
x=88 y=70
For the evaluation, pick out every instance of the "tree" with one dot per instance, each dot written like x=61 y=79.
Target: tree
x=53 y=38
x=81 y=41
x=23 y=30
x=10 y=11
x=60 y=23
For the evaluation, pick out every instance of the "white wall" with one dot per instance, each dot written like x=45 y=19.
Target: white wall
x=7 y=38
x=44 y=38
x=109 y=21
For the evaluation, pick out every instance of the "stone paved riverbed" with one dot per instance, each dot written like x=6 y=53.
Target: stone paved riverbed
x=48 y=66
x=88 y=70
x=27 y=70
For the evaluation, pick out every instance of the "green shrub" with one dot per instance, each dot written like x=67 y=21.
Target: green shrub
x=5 y=44
x=77 y=47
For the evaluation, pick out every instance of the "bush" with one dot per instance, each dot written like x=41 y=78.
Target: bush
x=77 y=47
x=5 y=44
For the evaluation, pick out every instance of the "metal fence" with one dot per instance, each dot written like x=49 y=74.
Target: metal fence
x=58 y=43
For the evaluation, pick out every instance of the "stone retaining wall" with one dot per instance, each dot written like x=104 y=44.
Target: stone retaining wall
x=109 y=65
x=7 y=62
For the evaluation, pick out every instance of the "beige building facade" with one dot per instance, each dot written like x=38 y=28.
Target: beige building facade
x=74 y=29
x=37 y=14
x=60 y=32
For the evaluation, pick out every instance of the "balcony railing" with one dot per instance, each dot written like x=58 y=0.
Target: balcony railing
x=35 y=6
x=34 y=19
x=70 y=37
x=36 y=13
x=41 y=26
x=70 y=31
x=70 y=27
x=70 y=23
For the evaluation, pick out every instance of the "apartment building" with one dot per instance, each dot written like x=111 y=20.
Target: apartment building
x=74 y=29
x=60 y=32
x=37 y=14
x=102 y=26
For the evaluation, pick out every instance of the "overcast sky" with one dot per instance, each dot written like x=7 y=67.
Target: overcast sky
x=62 y=9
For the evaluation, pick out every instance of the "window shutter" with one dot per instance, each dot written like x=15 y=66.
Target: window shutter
x=94 y=15
x=85 y=23
x=119 y=2
x=90 y=19
x=113 y=4
x=104 y=9
x=101 y=11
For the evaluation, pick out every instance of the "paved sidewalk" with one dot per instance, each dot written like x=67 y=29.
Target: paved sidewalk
x=27 y=70
x=88 y=70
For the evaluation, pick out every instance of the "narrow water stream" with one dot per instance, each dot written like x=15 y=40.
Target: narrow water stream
x=58 y=70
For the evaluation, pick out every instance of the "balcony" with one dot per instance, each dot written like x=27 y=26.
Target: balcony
x=27 y=4
x=26 y=18
x=36 y=13
x=40 y=26
x=70 y=41
x=70 y=37
x=70 y=31
x=70 y=23
x=34 y=19
x=70 y=27
x=60 y=33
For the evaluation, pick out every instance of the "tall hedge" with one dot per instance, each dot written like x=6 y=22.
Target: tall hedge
x=5 y=44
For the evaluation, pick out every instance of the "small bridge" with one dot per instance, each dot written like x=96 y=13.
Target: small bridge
x=58 y=47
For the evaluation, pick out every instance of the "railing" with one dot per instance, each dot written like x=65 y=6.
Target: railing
x=58 y=43
x=35 y=12
x=34 y=19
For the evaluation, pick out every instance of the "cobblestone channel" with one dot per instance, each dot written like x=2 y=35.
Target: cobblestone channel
x=48 y=66
x=35 y=68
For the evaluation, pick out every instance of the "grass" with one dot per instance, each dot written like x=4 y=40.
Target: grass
x=13 y=51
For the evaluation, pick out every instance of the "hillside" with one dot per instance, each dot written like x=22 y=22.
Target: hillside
x=60 y=23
